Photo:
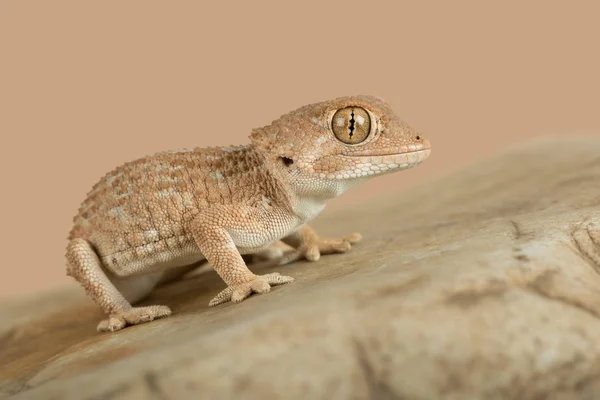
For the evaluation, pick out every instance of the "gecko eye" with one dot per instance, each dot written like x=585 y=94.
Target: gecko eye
x=351 y=125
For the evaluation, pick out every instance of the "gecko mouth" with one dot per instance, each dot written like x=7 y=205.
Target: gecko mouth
x=383 y=163
x=419 y=153
x=363 y=165
x=393 y=160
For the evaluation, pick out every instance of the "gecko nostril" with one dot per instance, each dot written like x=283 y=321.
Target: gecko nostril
x=418 y=137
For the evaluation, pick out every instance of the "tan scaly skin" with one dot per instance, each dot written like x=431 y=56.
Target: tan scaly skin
x=148 y=220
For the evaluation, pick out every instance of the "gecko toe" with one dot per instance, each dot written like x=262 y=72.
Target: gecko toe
x=313 y=250
x=276 y=278
x=354 y=237
x=260 y=284
x=133 y=316
x=112 y=324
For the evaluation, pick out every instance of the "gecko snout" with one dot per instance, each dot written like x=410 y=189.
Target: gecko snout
x=424 y=143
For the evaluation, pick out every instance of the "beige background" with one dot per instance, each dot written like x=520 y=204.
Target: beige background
x=85 y=86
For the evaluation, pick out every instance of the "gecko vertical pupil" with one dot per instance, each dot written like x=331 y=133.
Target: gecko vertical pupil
x=351 y=125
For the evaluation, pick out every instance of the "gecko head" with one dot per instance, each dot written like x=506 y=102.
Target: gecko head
x=340 y=142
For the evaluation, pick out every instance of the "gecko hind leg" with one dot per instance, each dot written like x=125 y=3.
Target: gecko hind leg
x=309 y=245
x=85 y=266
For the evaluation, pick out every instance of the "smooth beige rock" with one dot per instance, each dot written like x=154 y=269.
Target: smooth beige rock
x=483 y=285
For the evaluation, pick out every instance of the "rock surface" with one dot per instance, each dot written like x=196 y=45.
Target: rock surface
x=482 y=285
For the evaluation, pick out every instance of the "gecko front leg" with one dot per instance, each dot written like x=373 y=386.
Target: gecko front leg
x=309 y=245
x=212 y=232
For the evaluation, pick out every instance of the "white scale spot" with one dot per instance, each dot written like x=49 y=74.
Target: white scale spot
x=320 y=140
x=127 y=194
x=116 y=212
x=165 y=193
x=151 y=234
x=216 y=175
x=188 y=199
x=111 y=179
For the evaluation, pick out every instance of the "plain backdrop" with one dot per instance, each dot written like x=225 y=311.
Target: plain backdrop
x=85 y=86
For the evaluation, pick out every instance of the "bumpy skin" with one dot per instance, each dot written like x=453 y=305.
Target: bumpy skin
x=155 y=218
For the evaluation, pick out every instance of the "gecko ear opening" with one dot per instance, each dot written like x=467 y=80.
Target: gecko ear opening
x=287 y=161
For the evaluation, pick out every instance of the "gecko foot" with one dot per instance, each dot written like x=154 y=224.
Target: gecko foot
x=313 y=249
x=133 y=316
x=260 y=284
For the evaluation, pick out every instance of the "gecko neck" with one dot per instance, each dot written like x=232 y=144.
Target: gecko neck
x=307 y=195
x=311 y=196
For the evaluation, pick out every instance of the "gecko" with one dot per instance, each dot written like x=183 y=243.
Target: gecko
x=150 y=220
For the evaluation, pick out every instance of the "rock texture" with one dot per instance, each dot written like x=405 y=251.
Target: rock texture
x=482 y=285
